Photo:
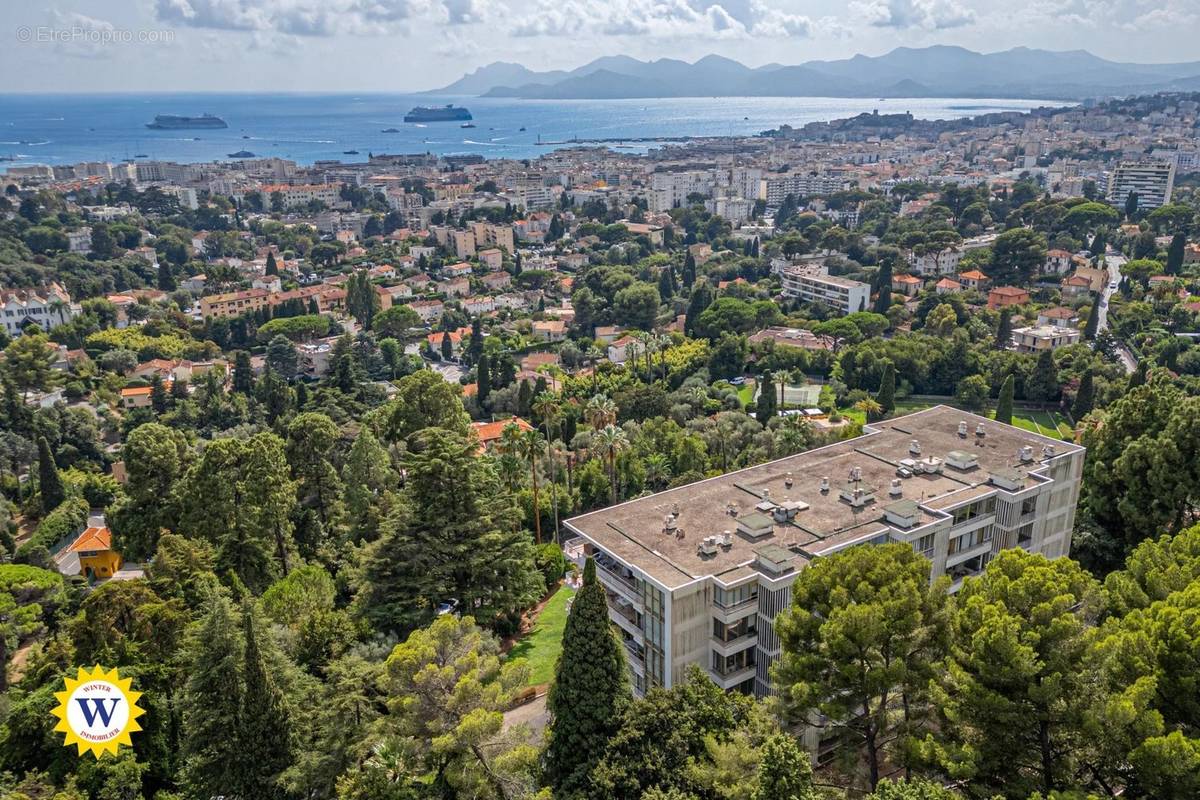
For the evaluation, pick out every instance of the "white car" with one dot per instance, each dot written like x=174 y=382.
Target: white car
x=1112 y=285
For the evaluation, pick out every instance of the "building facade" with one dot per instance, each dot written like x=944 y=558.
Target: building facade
x=45 y=307
x=1152 y=181
x=814 y=284
x=697 y=574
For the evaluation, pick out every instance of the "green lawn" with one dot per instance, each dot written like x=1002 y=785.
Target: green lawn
x=1046 y=423
x=542 y=644
x=746 y=391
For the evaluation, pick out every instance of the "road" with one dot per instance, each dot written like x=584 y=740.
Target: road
x=1114 y=262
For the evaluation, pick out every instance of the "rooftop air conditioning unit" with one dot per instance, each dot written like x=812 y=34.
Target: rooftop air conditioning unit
x=895 y=490
x=707 y=546
x=980 y=430
x=914 y=447
x=962 y=428
x=1048 y=451
x=727 y=539
x=1025 y=454
x=856 y=473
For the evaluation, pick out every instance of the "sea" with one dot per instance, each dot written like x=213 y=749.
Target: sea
x=66 y=129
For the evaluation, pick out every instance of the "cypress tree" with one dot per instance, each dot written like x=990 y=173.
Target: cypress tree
x=524 y=398
x=211 y=704
x=1138 y=376
x=1004 y=329
x=1085 y=398
x=1093 y=320
x=166 y=278
x=243 y=373
x=1004 y=405
x=272 y=267
x=1043 y=383
x=265 y=732
x=768 y=401
x=884 y=285
x=689 y=270
x=1175 y=253
x=49 y=482
x=887 y=390
x=483 y=379
x=590 y=690
x=447 y=346
x=158 y=394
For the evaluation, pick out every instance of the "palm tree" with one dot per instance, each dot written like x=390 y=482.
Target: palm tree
x=658 y=470
x=531 y=445
x=609 y=441
x=546 y=406
x=870 y=407
x=600 y=411
x=509 y=448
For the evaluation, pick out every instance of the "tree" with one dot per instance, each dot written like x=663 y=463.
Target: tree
x=483 y=379
x=608 y=442
x=239 y=497
x=1004 y=405
x=1043 y=381
x=243 y=373
x=362 y=301
x=449 y=691
x=281 y=356
x=1175 y=253
x=767 y=407
x=637 y=305
x=447 y=346
x=1016 y=684
x=211 y=703
x=1131 y=206
x=972 y=392
x=1017 y=254
x=886 y=397
x=589 y=692
x=785 y=772
x=531 y=444
x=1004 y=330
x=369 y=480
x=423 y=400
x=396 y=321
x=158 y=395
x=942 y=321
x=27 y=361
x=155 y=458
x=865 y=625
x=471 y=549
x=1093 y=321
x=272 y=266
x=50 y=485
x=311 y=439
x=264 y=735
x=166 y=276
x=883 y=286
x=1085 y=397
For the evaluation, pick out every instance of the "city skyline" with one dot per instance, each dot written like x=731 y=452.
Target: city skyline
x=410 y=45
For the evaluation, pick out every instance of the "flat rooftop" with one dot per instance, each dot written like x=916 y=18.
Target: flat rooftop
x=636 y=531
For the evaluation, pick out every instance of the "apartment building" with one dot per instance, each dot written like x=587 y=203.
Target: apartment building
x=1036 y=338
x=812 y=283
x=671 y=189
x=697 y=574
x=776 y=187
x=1153 y=182
x=298 y=194
x=46 y=307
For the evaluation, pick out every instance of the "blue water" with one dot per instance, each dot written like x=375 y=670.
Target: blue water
x=64 y=129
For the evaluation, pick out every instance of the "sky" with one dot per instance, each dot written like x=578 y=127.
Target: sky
x=405 y=45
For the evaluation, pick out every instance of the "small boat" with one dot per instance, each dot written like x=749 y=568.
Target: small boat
x=244 y=136
x=240 y=154
x=467 y=125
x=349 y=152
x=522 y=127
x=390 y=130
x=745 y=118
x=140 y=155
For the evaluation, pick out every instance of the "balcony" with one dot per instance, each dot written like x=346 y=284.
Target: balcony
x=733 y=678
x=625 y=618
x=727 y=647
x=619 y=583
x=962 y=556
x=736 y=611
x=636 y=656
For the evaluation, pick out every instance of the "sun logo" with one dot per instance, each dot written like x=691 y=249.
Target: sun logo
x=97 y=711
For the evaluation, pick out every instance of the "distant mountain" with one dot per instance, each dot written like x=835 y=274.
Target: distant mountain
x=938 y=71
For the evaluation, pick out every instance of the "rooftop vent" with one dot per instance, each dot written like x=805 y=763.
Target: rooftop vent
x=962 y=428
x=788 y=509
x=727 y=539
x=857 y=494
x=707 y=546
x=1047 y=451
x=962 y=460
x=670 y=523
x=914 y=447
x=755 y=525
x=856 y=473
x=787 y=480
x=930 y=465
x=895 y=490
x=980 y=430
x=1025 y=454
x=825 y=485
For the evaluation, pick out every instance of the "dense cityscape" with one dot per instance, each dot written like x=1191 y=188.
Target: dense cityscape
x=857 y=458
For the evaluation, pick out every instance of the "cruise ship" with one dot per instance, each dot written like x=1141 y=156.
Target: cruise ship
x=447 y=113
x=173 y=122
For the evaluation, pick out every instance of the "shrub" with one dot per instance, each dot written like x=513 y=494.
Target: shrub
x=63 y=521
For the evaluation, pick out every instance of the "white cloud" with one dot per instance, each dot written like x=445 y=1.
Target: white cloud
x=1135 y=16
x=663 y=19
x=927 y=14
x=311 y=17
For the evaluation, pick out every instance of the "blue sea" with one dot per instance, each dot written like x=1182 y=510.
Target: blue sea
x=65 y=129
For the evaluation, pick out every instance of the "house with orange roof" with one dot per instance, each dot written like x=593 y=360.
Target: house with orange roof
x=973 y=279
x=97 y=558
x=550 y=330
x=947 y=286
x=1003 y=296
x=1075 y=286
x=135 y=397
x=907 y=285
x=1058 y=262
x=489 y=433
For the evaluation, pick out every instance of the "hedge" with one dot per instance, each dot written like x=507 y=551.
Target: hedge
x=68 y=518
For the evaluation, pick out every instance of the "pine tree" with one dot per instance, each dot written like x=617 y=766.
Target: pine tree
x=1085 y=397
x=210 y=704
x=784 y=771
x=1043 y=383
x=49 y=482
x=590 y=689
x=1093 y=320
x=1175 y=253
x=158 y=394
x=1004 y=405
x=272 y=267
x=265 y=732
x=1004 y=329
x=243 y=373
x=483 y=379
x=887 y=390
x=1138 y=376
x=768 y=401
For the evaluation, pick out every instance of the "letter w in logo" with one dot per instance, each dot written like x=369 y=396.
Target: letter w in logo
x=97 y=709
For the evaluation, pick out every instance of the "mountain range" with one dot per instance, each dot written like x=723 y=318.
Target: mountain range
x=938 y=71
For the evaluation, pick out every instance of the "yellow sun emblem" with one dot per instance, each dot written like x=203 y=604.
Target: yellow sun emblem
x=97 y=711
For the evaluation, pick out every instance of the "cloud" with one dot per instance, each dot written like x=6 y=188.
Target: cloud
x=927 y=14
x=1135 y=16
x=310 y=17
x=663 y=19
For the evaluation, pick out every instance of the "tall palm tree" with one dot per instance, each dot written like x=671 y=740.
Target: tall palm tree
x=609 y=441
x=532 y=443
x=600 y=411
x=509 y=448
x=547 y=407
x=658 y=470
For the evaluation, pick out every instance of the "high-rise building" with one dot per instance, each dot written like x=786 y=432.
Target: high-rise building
x=697 y=574
x=1153 y=182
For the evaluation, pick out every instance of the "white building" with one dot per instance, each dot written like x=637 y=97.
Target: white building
x=1037 y=338
x=813 y=284
x=47 y=306
x=1153 y=182
x=697 y=574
